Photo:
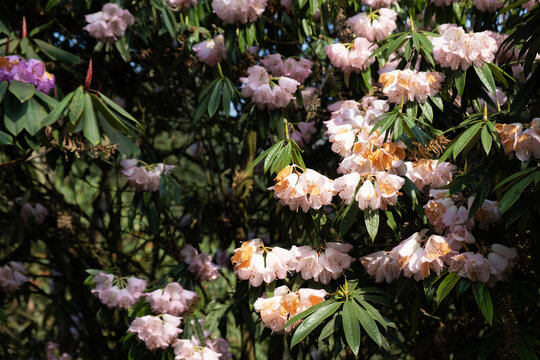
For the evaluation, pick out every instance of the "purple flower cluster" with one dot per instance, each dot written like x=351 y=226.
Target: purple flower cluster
x=30 y=71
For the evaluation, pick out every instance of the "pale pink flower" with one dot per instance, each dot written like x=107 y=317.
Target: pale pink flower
x=530 y=4
x=381 y=266
x=528 y=143
x=305 y=131
x=156 y=331
x=387 y=186
x=308 y=263
x=295 y=69
x=144 y=178
x=457 y=49
x=264 y=91
x=488 y=214
x=11 y=276
x=211 y=52
x=38 y=213
x=346 y=186
x=109 y=24
x=233 y=11
x=200 y=264
x=367 y=196
x=488 y=5
x=173 y=299
x=509 y=253
x=374 y=26
x=377 y=4
x=410 y=85
x=509 y=134
x=356 y=59
x=114 y=297
x=471 y=266
x=177 y=4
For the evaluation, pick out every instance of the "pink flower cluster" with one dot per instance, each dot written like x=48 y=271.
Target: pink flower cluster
x=322 y=266
x=173 y=299
x=192 y=349
x=443 y=2
x=113 y=296
x=351 y=57
x=264 y=91
x=431 y=173
x=38 y=213
x=277 y=310
x=374 y=26
x=488 y=5
x=11 y=276
x=176 y=4
x=211 y=52
x=450 y=216
x=378 y=189
x=297 y=70
x=233 y=11
x=200 y=264
x=410 y=85
x=156 y=331
x=299 y=188
x=109 y=24
x=377 y=4
x=305 y=131
x=409 y=257
x=145 y=178
x=32 y=71
x=457 y=49
x=524 y=143
x=530 y=4
x=476 y=267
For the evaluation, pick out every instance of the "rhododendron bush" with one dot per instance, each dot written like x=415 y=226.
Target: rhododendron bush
x=266 y=179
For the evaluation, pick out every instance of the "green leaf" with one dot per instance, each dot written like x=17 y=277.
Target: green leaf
x=90 y=127
x=77 y=105
x=274 y=152
x=34 y=117
x=375 y=314
x=460 y=79
x=226 y=99
x=484 y=73
x=215 y=98
x=55 y=114
x=513 y=194
x=3 y=87
x=330 y=327
x=427 y=111
x=108 y=115
x=51 y=102
x=314 y=320
x=348 y=217
x=351 y=326
x=368 y=324
x=170 y=22
x=436 y=99
x=515 y=176
x=307 y=312
x=263 y=155
x=21 y=90
x=483 y=299
x=283 y=159
x=465 y=138
x=57 y=54
x=446 y=286
x=371 y=218
x=485 y=137
x=118 y=108
x=5 y=138
x=14 y=114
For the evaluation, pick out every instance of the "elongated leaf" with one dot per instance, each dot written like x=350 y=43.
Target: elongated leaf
x=461 y=78
x=351 y=326
x=314 y=320
x=513 y=194
x=330 y=327
x=368 y=324
x=215 y=98
x=486 y=138
x=263 y=155
x=446 y=286
x=77 y=105
x=15 y=114
x=348 y=218
x=515 y=176
x=283 y=159
x=3 y=87
x=5 y=138
x=118 y=108
x=226 y=100
x=108 y=115
x=371 y=218
x=483 y=299
x=484 y=73
x=55 y=114
x=307 y=312
x=89 y=122
x=57 y=54
x=34 y=117
x=21 y=90
x=375 y=314
x=169 y=21
x=465 y=138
